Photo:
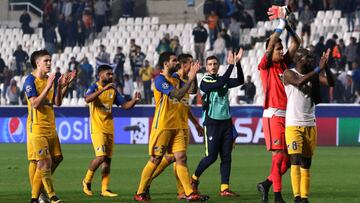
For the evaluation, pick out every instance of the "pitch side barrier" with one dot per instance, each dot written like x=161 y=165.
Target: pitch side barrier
x=338 y=125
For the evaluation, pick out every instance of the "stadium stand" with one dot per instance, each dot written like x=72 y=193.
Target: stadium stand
x=147 y=32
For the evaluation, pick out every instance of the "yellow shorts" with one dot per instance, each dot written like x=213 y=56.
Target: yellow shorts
x=168 y=141
x=301 y=140
x=54 y=150
x=103 y=144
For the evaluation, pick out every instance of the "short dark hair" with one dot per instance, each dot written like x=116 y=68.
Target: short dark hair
x=211 y=58
x=165 y=57
x=37 y=54
x=268 y=41
x=183 y=58
x=103 y=68
x=300 y=53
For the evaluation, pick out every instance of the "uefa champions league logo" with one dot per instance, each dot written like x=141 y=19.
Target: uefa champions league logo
x=13 y=131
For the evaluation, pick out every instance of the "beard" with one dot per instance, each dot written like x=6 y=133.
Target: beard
x=174 y=69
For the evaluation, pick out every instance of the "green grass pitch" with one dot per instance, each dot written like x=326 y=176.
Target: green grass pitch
x=335 y=176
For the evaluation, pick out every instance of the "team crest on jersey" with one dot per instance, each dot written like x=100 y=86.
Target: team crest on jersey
x=111 y=95
x=276 y=142
x=165 y=85
x=28 y=88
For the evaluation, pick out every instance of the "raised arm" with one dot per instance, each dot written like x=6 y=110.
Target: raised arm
x=292 y=78
x=208 y=84
x=130 y=104
x=234 y=82
x=295 y=41
x=180 y=93
x=93 y=92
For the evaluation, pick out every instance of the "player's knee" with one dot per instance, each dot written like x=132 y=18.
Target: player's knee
x=156 y=159
x=295 y=159
x=181 y=158
x=305 y=162
x=211 y=158
x=58 y=159
x=44 y=164
x=100 y=159
x=170 y=159
x=226 y=159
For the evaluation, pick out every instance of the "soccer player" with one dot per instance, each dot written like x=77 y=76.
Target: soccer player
x=271 y=67
x=43 y=142
x=181 y=141
x=165 y=127
x=64 y=82
x=303 y=93
x=217 y=119
x=101 y=96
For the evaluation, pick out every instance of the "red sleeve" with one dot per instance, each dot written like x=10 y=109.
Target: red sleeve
x=263 y=62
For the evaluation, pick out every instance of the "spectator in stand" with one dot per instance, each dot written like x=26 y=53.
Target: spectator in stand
x=163 y=46
x=13 y=93
x=119 y=60
x=82 y=83
x=320 y=47
x=349 y=11
x=20 y=58
x=358 y=13
x=200 y=36
x=349 y=90
x=306 y=17
x=209 y=5
x=234 y=29
x=62 y=30
x=100 y=9
x=146 y=73
x=2 y=68
x=351 y=52
x=50 y=40
x=87 y=19
x=250 y=90
x=81 y=33
x=356 y=75
x=335 y=53
x=73 y=64
x=80 y=9
x=8 y=75
x=227 y=39
x=25 y=20
x=87 y=68
x=167 y=38
x=103 y=56
x=67 y=8
x=212 y=21
x=127 y=8
x=246 y=20
x=128 y=87
x=339 y=90
x=219 y=48
x=342 y=48
x=138 y=61
x=71 y=32
x=132 y=53
x=175 y=45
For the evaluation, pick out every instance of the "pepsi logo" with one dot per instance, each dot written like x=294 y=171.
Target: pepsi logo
x=16 y=130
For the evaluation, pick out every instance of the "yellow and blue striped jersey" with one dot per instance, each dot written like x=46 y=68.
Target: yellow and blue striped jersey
x=101 y=118
x=41 y=120
x=166 y=108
